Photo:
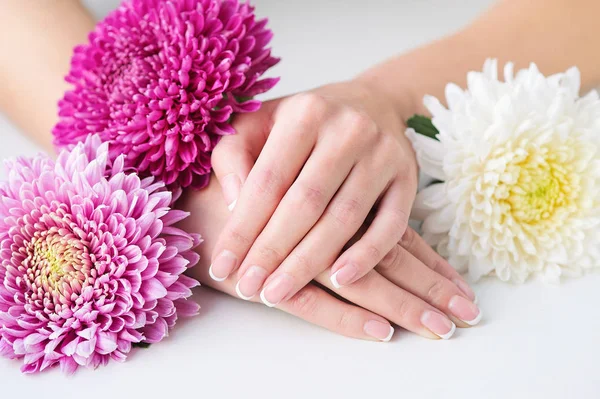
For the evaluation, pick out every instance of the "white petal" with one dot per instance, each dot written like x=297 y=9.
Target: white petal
x=490 y=68
x=441 y=117
x=479 y=267
x=509 y=72
x=552 y=273
x=455 y=96
x=430 y=154
x=440 y=221
x=572 y=81
x=428 y=200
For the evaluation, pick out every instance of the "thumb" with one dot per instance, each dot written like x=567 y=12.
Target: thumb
x=232 y=161
x=235 y=155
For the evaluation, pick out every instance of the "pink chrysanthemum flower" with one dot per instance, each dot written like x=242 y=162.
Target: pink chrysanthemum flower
x=90 y=260
x=160 y=80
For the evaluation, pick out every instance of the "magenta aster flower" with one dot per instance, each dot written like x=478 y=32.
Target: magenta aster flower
x=160 y=80
x=90 y=262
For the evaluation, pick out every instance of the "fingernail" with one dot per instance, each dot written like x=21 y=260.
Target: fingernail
x=464 y=287
x=231 y=206
x=222 y=266
x=250 y=282
x=378 y=329
x=438 y=324
x=277 y=290
x=344 y=276
x=465 y=310
x=231 y=185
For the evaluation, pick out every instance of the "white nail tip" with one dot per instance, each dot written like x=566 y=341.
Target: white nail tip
x=387 y=339
x=476 y=300
x=262 y=298
x=476 y=320
x=334 y=281
x=231 y=206
x=239 y=293
x=449 y=334
x=210 y=273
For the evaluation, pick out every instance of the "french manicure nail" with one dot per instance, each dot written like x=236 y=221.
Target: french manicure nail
x=344 y=276
x=222 y=266
x=250 y=282
x=232 y=205
x=464 y=287
x=232 y=186
x=277 y=290
x=465 y=310
x=438 y=324
x=378 y=329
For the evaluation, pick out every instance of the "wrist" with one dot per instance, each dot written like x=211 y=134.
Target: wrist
x=400 y=96
x=394 y=105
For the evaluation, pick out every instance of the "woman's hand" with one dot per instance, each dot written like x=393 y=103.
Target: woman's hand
x=412 y=286
x=329 y=156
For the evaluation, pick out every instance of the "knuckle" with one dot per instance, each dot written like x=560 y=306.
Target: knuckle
x=219 y=150
x=312 y=197
x=347 y=212
x=269 y=254
x=220 y=157
x=238 y=237
x=435 y=291
x=307 y=105
x=408 y=239
x=359 y=122
x=391 y=151
x=390 y=258
x=408 y=174
x=399 y=220
x=302 y=265
x=402 y=308
x=439 y=265
x=392 y=144
x=372 y=252
x=305 y=302
x=399 y=261
x=267 y=182
x=344 y=321
x=359 y=130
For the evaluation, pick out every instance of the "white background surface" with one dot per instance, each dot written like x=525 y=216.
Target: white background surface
x=536 y=341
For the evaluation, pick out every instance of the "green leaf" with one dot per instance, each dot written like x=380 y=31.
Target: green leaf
x=422 y=125
x=242 y=99
x=142 y=345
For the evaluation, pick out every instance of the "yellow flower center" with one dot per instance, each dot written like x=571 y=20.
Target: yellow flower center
x=57 y=264
x=532 y=185
x=543 y=185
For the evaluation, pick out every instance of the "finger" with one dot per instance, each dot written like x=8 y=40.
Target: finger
x=409 y=273
x=289 y=145
x=379 y=295
x=383 y=234
x=301 y=207
x=232 y=160
x=318 y=307
x=233 y=157
x=321 y=246
x=416 y=245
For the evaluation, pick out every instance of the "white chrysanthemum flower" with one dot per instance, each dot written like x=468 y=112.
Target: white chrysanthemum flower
x=519 y=162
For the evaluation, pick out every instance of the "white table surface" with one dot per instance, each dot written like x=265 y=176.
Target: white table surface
x=536 y=341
